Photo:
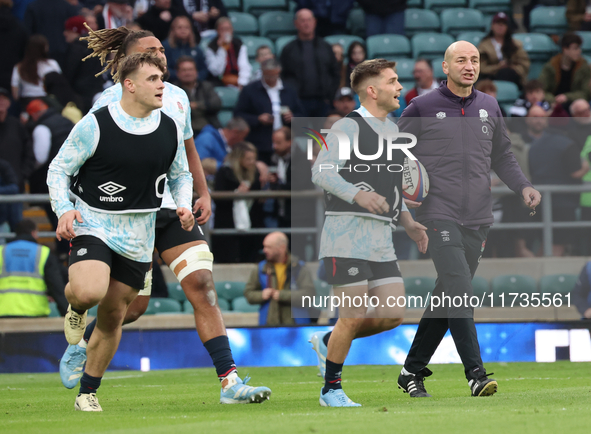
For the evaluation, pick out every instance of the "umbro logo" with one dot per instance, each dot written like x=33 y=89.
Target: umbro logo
x=81 y=252
x=353 y=271
x=364 y=186
x=111 y=188
x=440 y=115
x=445 y=235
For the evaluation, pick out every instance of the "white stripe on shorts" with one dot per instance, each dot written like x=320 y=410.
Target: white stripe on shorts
x=360 y=283
x=385 y=281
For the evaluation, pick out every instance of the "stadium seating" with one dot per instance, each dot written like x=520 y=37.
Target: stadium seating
x=548 y=19
x=356 y=22
x=53 y=311
x=93 y=310
x=387 y=46
x=540 y=48
x=512 y=284
x=404 y=69
x=259 y=7
x=175 y=291
x=457 y=20
x=473 y=37
x=282 y=42
x=507 y=92
x=481 y=289
x=224 y=116
x=419 y=285
x=162 y=305
x=276 y=24
x=440 y=5
x=491 y=6
x=244 y=24
x=240 y=304
x=430 y=45
x=406 y=86
x=438 y=69
x=420 y=20
x=322 y=288
x=558 y=283
x=232 y=5
x=586 y=37
x=228 y=95
x=254 y=42
x=414 y=4
x=344 y=41
x=229 y=290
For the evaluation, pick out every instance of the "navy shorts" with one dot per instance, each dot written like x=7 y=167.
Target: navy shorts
x=170 y=233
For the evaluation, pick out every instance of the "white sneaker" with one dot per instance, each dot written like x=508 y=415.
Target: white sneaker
x=74 y=326
x=87 y=402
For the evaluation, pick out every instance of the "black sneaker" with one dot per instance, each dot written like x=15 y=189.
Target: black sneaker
x=484 y=386
x=413 y=384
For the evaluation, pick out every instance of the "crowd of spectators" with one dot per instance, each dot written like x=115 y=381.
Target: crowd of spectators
x=47 y=84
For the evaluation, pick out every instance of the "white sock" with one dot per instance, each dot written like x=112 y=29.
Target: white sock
x=82 y=343
x=405 y=372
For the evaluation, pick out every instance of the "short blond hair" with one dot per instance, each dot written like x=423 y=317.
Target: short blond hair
x=369 y=69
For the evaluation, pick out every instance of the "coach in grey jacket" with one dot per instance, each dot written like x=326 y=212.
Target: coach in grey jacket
x=461 y=136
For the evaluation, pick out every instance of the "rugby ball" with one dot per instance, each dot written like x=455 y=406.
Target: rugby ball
x=415 y=176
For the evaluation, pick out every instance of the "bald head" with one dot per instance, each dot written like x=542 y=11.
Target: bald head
x=462 y=67
x=459 y=47
x=305 y=23
x=275 y=247
x=536 y=112
x=579 y=108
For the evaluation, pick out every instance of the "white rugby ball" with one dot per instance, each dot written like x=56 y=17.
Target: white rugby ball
x=415 y=176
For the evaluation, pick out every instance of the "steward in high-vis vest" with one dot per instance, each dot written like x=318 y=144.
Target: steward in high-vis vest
x=28 y=274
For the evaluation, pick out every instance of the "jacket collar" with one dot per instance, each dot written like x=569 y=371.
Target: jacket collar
x=449 y=94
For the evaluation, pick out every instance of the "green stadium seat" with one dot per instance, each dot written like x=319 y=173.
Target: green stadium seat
x=419 y=285
x=53 y=310
x=481 y=288
x=473 y=37
x=228 y=95
x=282 y=42
x=356 y=22
x=276 y=24
x=457 y=20
x=587 y=58
x=344 y=41
x=548 y=19
x=322 y=288
x=254 y=42
x=507 y=92
x=233 y=5
x=230 y=290
x=240 y=304
x=586 y=37
x=93 y=310
x=440 y=5
x=158 y=305
x=244 y=24
x=491 y=6
x=430 y=45
x=558 y=283
x=175 y=291
x=224 y=116
x=414 y=4
x=420 y=20
x=404 y=69
x=292 y=6
x=512 y=283
x=259 y=7
x=539 y=47
x=535 y=69
x=406 y=86
x=438 y=69
x=387 y=46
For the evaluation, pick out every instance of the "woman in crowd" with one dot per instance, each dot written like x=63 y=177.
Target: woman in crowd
x=27 y=76
x=355 y=55
x=240 y=175
x=183 y=42
x=501 y=56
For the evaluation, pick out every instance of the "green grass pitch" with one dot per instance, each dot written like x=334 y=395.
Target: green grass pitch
x=532 y=398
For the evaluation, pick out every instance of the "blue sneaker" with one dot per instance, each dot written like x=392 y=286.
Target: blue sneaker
x=336 y=398
x=72 y=365
x=240 y=393
x=317 y=341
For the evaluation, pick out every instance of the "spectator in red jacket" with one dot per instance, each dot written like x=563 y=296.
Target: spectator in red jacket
x=425 y=82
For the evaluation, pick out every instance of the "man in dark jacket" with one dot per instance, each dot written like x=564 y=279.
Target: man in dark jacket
x=310 y=66
x=267 y=105
x=383 y=17
x=11 y=29
x=461 y=136
x=158 y=18
x=331 y=15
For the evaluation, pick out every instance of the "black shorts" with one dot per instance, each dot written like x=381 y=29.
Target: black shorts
x=170 y=233
x=127 y=271
x=343 y=271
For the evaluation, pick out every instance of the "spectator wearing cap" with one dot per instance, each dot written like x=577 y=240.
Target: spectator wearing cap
x=566 y=76
x=344 y=101
x=501 y=56
x=46 y=17
x=81 y=74
x=310 y=66
x=15 y=143
x=425 y=82
x=11 y=29
x=267 y=105
x=115 y=13
x=158 y=18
